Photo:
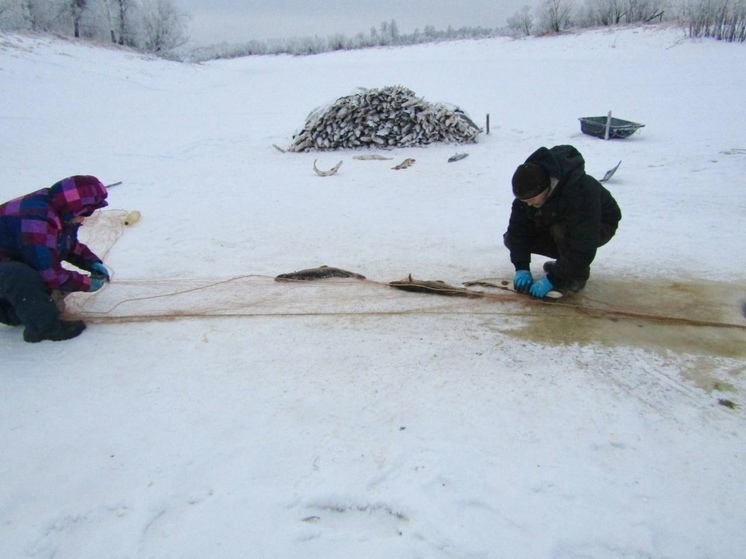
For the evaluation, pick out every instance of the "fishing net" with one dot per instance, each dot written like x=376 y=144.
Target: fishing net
x=124 y=300
x=694 y=304
x=137 y=300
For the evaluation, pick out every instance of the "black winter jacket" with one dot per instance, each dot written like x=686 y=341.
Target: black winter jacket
x=579 y=203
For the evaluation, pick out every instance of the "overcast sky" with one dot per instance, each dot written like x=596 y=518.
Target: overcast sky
x=243 y=20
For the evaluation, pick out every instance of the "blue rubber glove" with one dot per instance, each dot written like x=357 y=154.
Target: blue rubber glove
x=541 y=288
x=96 y=284
x=100 y=270
x=522 y=281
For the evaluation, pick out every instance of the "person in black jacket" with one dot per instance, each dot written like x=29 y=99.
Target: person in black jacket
x=561 y=212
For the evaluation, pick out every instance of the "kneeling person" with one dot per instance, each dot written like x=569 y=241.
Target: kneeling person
x=38 y=232
x=561 y=212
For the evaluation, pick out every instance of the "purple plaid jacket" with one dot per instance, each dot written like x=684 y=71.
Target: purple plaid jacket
x=37 y=229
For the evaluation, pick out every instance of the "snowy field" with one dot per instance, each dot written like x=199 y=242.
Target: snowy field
x=343 y=418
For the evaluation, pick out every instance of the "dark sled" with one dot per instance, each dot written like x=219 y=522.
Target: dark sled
x=618 y=128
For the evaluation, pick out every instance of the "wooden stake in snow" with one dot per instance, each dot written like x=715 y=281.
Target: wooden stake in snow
x=608 y=126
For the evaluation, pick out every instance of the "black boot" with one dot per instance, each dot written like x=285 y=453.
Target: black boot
x=8 y=315
x=576 y=285
x=62 y=330
x=22 y=289
x=573 y=285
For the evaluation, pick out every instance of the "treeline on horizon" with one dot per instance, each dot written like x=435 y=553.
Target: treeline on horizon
x=161 y=28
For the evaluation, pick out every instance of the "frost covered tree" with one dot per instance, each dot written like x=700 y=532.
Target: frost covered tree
x=614 y=12
x=720 y=19
x=13 y=15
x=43 y=15
x=394 y=31
x=75 y=9
x=62 y=16
x=153 y=25
x=555 y=15
x=93 y=19
x=385 y=34
x=521 y=23
x=602 y=12
x=643 y=10
x=337 y=41
x=120 y=17
x=430 y=32
x=164 y=26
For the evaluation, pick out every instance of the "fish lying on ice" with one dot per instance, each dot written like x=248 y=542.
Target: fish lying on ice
x=330 y=172
x=372 y=157
x=457 y=157
x=322 y=272
x=408 y=162
x=437 y=287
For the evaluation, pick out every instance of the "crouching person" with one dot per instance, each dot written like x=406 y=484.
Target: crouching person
x=38 y=232
x=561 y=212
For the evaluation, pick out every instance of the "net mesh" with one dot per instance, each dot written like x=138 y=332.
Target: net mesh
x=254 y=295
x=125 y=300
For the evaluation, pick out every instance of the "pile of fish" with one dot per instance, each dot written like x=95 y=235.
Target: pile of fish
x=385 y=118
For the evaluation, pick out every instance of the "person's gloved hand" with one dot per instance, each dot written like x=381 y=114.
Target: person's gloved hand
x=522 y=281
x=100 y=271
x=541 y=288
x=96 y=284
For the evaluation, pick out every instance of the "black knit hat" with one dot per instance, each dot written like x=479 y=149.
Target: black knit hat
x=529 y=180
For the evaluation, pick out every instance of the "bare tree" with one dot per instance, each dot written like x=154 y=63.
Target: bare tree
x=164 y=25
x=74 y=10
x=643 y=10
x=522 y=22
x=555 y=15
x=388 y=33
x=120 y=16
x=394 y=29
x=603 y=12
x=385 y=33
x=720 y=19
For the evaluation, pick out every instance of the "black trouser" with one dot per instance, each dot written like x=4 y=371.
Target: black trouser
x=553 y=243
x=24 y=298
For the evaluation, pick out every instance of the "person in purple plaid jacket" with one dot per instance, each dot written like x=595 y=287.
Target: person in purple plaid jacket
x=38 y=232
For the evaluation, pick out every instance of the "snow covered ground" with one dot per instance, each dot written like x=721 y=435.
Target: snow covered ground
x=345 y=418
